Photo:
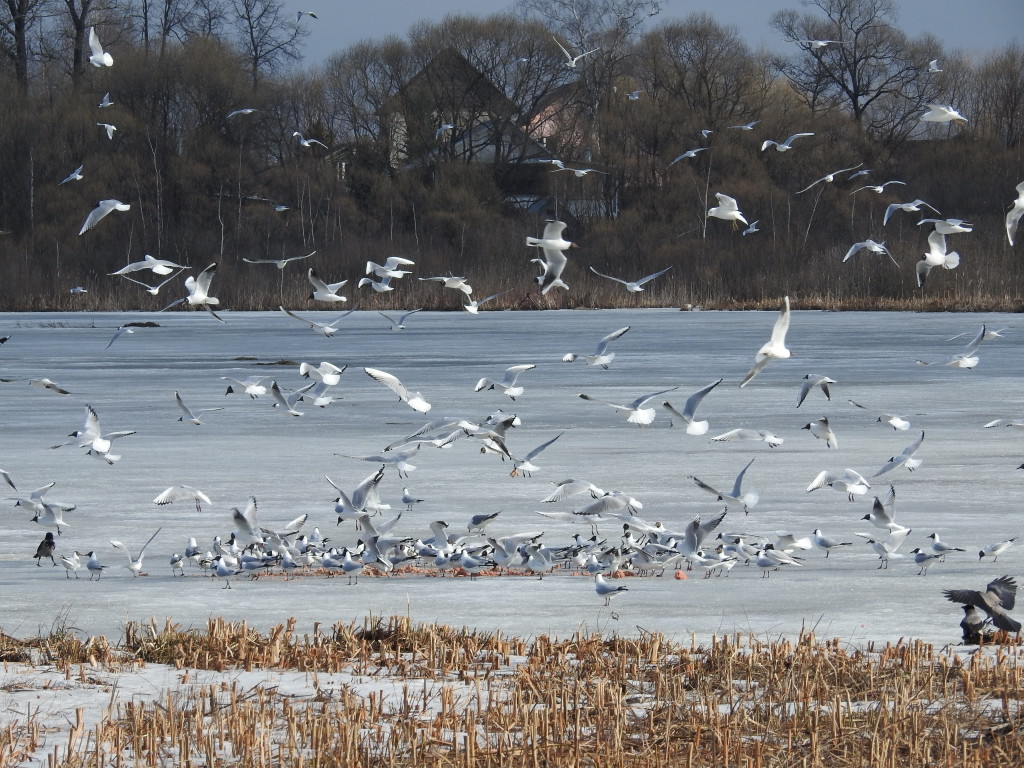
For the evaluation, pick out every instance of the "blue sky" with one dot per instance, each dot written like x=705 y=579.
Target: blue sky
x=979 y=27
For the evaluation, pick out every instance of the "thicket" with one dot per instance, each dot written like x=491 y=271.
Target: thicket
x=206 y=187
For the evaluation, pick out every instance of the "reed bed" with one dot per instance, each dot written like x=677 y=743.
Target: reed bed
x=456 y=697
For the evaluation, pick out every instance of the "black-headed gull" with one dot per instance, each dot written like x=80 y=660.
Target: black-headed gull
x=821 y=541
x=156 y=266
x=735 y=498
x=524 y=467
x=279 y=263
x=774 y=348
x=912 y=207
x=573 y=60
x=727 y=210
x=785 y=145
x=97 y=56
x=637 y=413
x=327 y=329
x=820 y=429
x=878 y=187
x=812 y=380
x=456 y=283
x=134 y=563
x=553 y=245
x=905 y=459
x=101 y=210
x=413 y=399
x=473 y=307
x=92 y=438
x=941 y=113
x=325 y=291
x=398 y=324
x=75 y=175
x=1014 y=214
x=828 y=178
x=252 y=386
x=601 y=354
x=761 y=435
x=508 y=383
x=849 y=481
x=996 y=549
x=937 y=256
x=179 y=492
x=633 y=286
x=45 y=383
x=199 y=292
x=690 y=410
x=606 y=590
x=307 y=142
x=192 y=416
x=390 y=268
x=869 y=245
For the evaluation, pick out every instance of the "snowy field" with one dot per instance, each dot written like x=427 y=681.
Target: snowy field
x=967 y=489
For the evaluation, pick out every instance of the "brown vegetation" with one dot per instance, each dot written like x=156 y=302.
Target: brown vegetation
x=465 y=698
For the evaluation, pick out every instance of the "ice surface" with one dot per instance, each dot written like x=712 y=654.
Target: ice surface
x=967 y=489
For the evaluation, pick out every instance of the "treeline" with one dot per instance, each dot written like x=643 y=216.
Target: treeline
x=207 y=185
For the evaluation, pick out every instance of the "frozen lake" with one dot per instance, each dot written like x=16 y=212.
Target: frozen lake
x=968 y=489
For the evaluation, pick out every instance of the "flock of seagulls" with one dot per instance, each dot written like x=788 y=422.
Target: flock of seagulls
x=644 y=546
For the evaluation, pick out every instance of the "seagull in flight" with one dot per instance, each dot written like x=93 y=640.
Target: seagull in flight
x=189 y=414
x=508 y=384
x=816 y=45
x=307 y=142
x=179 y=492
x=774 y=348
x=413 y=399
x=747 y=126
x=828 y=178
x=1014 y=214
x=152 y=290
x=101 y=210
x=199 y=292
x=399 y=324
x=910 y=207
x=75 y=175
x=736 y=497
x=109 y=128
x=553 y=245
x=105 y=101
x=134 y=563
x=474 y=306
x=637 y=413
x=784 y=146
x=869 y=245
x=322 y=291
x=693 y=427
x=572 y=60
x=243 y=111
x=941 y=113
x=878 y=187
x=300 y=14
x=327 y=329
x=279 y=262
x=905 y=459
x=97 y=56
x=601 y=354
x=633 y=286
x=687 y=154
x=156 y=266
x=727 y=209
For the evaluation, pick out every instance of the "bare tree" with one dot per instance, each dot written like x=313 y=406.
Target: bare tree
x=16 y=20
x=853 y=57
x=268 y=34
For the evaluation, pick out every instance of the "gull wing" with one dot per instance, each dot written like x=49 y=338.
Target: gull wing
x=602 y=345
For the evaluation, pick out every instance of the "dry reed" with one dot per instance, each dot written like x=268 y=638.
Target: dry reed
x=465 y=698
